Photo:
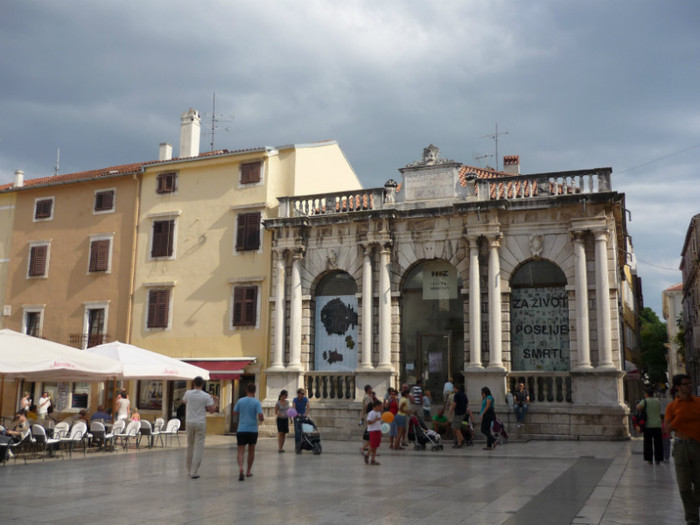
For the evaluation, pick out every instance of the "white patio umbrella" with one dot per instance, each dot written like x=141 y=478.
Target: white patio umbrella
x=140 y=363
x=27 y=357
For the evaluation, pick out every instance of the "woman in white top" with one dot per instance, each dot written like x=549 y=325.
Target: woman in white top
x=123 y=406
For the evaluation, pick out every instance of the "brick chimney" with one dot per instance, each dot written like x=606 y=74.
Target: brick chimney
x=190 y=128
x=511 y=164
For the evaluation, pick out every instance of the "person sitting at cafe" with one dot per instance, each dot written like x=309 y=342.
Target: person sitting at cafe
x=20 y=427
x=80 y=416
x=135 y=416
x=32 y=413
x=101 y=414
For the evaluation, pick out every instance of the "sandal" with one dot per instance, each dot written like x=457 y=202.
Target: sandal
x=375 y=463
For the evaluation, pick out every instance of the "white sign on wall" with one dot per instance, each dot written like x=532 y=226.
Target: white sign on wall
x=540 y=329
x=336 y=333
x=439 y=281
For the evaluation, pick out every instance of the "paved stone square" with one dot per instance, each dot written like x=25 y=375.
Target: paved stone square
x=520 y=483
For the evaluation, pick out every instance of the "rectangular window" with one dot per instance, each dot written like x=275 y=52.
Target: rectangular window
x=32 y=323
x=43 y=209
x=167 y=183
x=99 y=255
x=38 y=258
x=104 y=200
x=248 y=231
x=163 y=233
x=245 y=305
x=250 y=172
x=158 y=308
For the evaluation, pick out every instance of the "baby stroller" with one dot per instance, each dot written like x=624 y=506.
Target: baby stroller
x=467 y=430
x=423 y=436
x=310 y=436
x=498 y=431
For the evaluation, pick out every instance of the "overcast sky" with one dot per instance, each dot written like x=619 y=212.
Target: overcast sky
x=576 y=85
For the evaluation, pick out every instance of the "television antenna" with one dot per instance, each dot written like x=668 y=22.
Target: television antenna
x=479 y=158
x=216 y=120
x=57 y=168
x=494 y=137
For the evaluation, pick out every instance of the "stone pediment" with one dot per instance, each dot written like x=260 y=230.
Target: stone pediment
x=431 y=178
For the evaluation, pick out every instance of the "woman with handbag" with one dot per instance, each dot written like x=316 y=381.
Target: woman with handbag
x=653 y=444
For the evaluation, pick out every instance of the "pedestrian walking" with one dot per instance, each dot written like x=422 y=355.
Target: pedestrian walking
x=197 y=403
x=249 y=412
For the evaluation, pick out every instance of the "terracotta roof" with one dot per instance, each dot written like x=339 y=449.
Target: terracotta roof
x=675 y=288
x=79 y=176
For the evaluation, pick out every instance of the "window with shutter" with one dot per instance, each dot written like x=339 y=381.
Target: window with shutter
x=166 y=183
x=250 y=172
x=43 y=209
x=248 y=231
x=162 y=243
x=158 y=308
x=99 y=255
x=104 y=200
x=245 y=305
x=37 y=260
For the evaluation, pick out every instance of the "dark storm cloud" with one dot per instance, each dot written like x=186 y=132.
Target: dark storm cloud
x=575 y=84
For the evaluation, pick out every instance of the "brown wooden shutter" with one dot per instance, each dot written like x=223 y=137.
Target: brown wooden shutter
x=166 y=183
x=104 y=200
x=158 y=307
x=163 y=232
x=43 y=209
x=250 y=172
x=245 y=305
x=37 y=261
x=248 y=231
x=99 y=256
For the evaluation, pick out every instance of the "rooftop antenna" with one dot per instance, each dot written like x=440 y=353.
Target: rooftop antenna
x=495 y=139
x=215 y=120
x=57 y=168
x=478 y=158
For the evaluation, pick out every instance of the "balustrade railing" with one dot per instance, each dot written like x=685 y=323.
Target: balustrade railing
x=86 y=340
x=544 y=387
x=330 y=385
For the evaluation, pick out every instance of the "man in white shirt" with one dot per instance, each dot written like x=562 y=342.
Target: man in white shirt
x=198 y=402
x=44 y=404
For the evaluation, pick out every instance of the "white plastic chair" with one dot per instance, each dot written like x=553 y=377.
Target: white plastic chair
x=44 y=444
x=61 y=430
x=171 y=429
x=130 y=432
x=147 y=432
x=77 y=436
x=101 y=436
x=158 y=425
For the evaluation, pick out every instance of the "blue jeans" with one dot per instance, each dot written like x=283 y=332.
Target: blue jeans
x=520 y=411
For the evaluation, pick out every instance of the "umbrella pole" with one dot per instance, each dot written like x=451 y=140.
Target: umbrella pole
x=2 y=393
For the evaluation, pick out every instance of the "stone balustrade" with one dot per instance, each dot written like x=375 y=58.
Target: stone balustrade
x=330 y=385
x=544 y=387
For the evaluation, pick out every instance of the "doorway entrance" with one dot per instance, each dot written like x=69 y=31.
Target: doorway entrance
x=434 y=362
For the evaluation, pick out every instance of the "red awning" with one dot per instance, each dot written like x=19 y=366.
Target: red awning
x=222 y=368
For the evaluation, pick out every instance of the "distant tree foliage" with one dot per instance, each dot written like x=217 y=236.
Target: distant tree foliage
x=654 y=338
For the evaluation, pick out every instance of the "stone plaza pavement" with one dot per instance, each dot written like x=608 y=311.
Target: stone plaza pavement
x=519 y=483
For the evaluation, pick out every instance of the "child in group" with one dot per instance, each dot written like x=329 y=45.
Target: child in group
x=374 y=427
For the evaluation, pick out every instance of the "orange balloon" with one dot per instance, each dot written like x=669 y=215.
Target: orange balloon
x=387 y=417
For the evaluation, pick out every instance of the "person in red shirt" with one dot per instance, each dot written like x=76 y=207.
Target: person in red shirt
x=683 y=418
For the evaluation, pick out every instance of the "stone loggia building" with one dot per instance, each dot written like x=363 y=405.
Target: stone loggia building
x=483 y=276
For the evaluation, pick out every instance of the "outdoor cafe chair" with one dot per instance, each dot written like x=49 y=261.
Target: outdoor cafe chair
x=131 y=431
x=147 y=432
x=171 y=429
x=100 y=436
x=158 y=425
x=15 y=450
x=44 y=445
x=61 y=430
x=77 y=436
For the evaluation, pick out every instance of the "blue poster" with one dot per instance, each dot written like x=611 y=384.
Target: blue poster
x=336 y=333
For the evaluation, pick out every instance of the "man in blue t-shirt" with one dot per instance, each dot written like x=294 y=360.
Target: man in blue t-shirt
x=301 y=405
x=249 y=413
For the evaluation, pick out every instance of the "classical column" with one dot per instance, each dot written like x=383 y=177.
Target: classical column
x=602 y=293
x=278 y=355
x=494 y=289
x=384 y=307
x=295 y=313
x=366 y=307
x=583 y=334
x=474 y=305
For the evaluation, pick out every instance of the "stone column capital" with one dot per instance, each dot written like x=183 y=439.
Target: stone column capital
x=601 y=235
x=495 y=239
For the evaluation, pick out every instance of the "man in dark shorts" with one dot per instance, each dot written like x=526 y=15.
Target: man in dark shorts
x=249 y=412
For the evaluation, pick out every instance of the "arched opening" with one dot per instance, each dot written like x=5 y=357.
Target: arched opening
x=336 y=323
x=432 y=326
x=539 y=318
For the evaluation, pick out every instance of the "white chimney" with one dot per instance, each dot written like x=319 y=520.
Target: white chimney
x=19 y=179
x=165 y=152
x=189 y=133
x=511 y=164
